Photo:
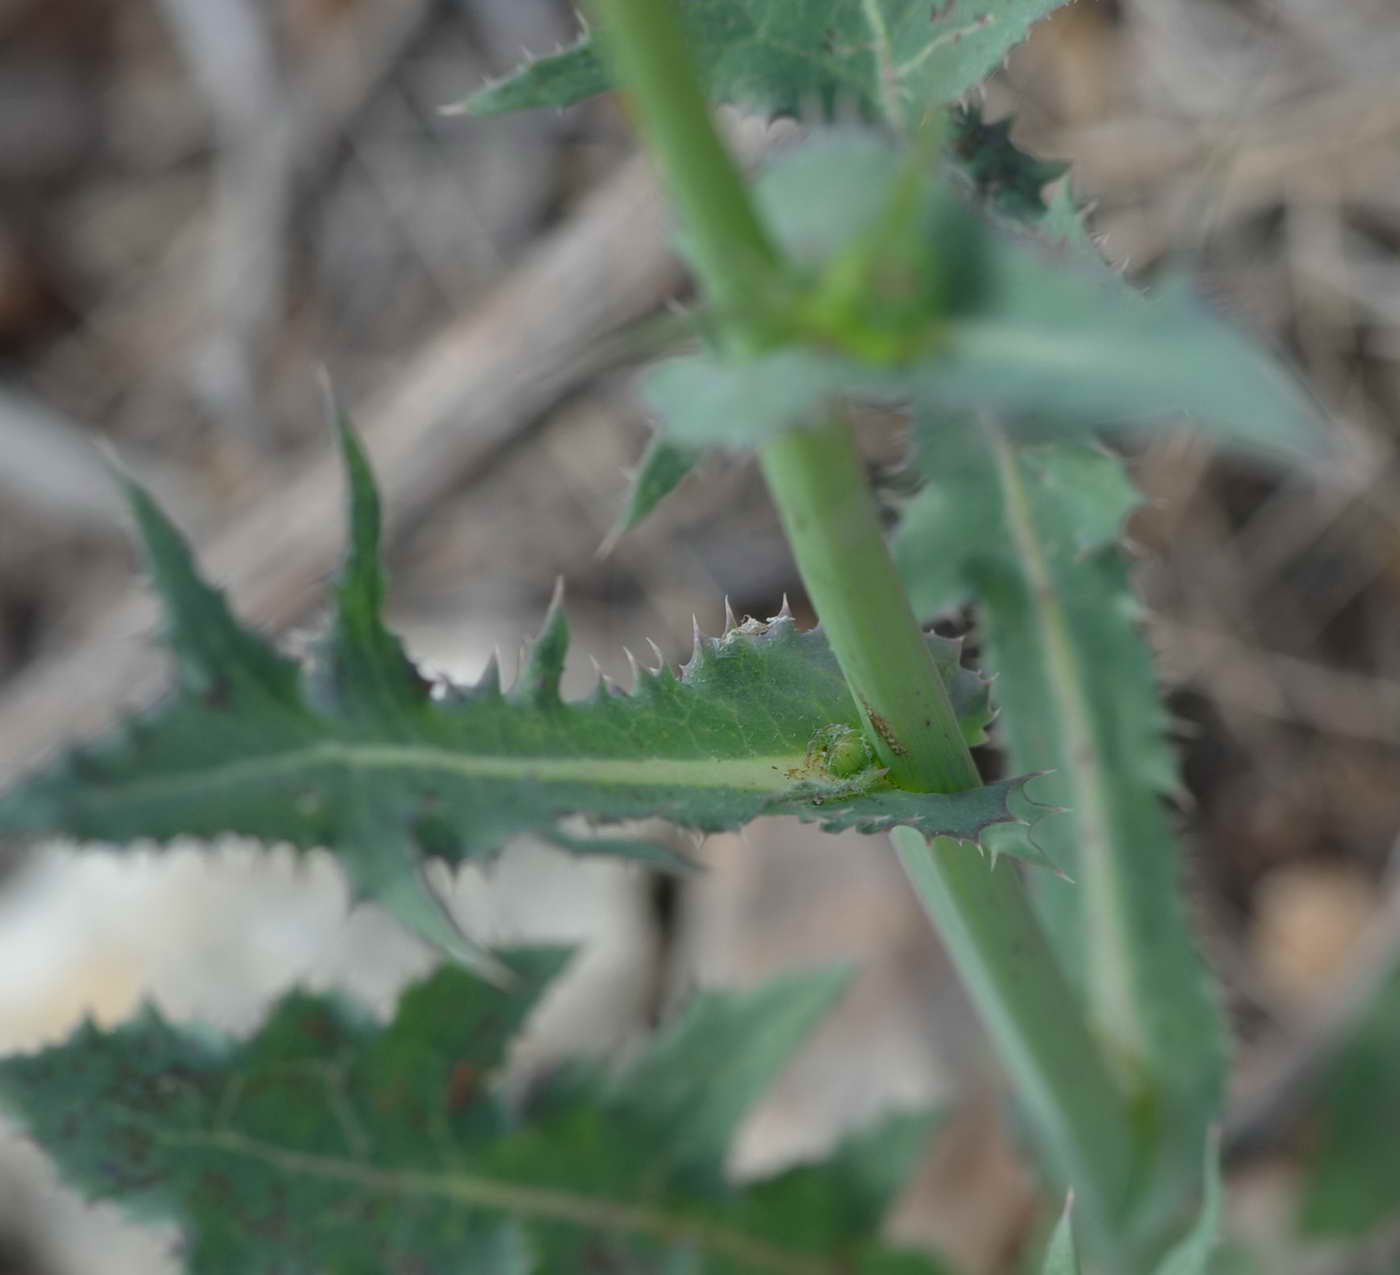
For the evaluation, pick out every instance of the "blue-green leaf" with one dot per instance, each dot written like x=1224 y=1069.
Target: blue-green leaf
x=1031 y=532
x=997 y=319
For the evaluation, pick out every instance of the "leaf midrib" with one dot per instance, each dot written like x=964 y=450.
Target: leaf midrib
x=1112 y=956
x=527 y=1201
x=765 y=775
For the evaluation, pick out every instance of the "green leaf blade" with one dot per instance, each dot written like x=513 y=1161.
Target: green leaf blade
x=1066 y=352
x=218 y=660
x=559 y=80
x=357 y=755
x=369 y=674
x=1192 y=1254
x=1017 y=318
x=663 y=467
x=328 y=1142
x=1352 y=1180
x=1032 y=531
x=879 y=55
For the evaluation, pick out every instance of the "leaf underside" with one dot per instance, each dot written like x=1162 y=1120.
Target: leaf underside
x=359 y=754
x=812 y=56
x=328 y=1142
x=1032 y=532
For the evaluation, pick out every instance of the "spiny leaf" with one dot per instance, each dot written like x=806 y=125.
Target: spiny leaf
x=1353 y=1176
x=878 y=57
x=1031 y=531
x=328 y=1142
x=995 y=321
x=358 y=756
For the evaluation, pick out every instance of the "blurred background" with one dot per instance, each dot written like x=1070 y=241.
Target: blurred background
x=204 y=201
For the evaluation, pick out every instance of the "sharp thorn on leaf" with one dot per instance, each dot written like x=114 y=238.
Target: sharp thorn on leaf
x=730 y=623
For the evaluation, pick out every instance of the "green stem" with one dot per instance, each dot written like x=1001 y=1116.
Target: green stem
x=732 y=251
x=1034 y=1019
x=1031 y=1012
x=818 y=484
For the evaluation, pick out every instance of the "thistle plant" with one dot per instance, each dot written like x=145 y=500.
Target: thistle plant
x=902 y=252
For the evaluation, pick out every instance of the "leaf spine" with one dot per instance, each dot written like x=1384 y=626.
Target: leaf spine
x=696 y=645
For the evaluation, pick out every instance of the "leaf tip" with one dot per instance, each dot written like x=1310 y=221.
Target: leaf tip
x=542 y=663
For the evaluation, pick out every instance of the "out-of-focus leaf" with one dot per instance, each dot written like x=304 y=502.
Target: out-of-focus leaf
x=1193 y=1254
x=876 y=56
x=662 y=469
x=327 y=1142
x=1061 y=1258
x=1353 y=1177
x=972 y=316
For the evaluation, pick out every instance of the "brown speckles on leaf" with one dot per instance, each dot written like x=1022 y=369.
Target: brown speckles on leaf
x=881 y=726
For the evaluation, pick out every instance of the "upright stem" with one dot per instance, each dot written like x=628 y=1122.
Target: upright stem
x=982 y=912
x=731 y=249
x=818 y=484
